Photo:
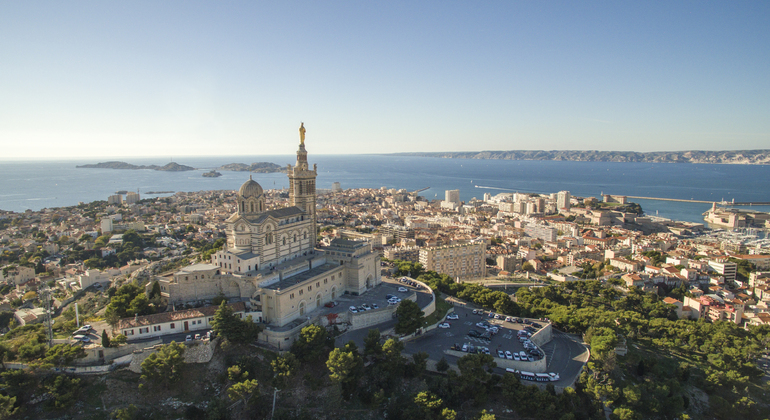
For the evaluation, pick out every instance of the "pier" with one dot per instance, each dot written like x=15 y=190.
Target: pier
x=732 y=203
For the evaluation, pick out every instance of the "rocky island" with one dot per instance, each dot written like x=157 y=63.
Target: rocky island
x=212 y=174
x=169 y=167
x=260 y=167
x=746 y=157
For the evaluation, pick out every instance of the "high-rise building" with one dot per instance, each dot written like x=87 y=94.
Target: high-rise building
x=562 y=200
x=463 y=261
x=452 y=196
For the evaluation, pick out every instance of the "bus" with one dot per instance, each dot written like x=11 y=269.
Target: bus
x=536 y=377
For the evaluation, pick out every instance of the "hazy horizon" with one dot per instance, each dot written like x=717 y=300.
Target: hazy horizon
x=173 y=78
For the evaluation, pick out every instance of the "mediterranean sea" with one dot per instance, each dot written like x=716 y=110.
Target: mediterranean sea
x=42 y=184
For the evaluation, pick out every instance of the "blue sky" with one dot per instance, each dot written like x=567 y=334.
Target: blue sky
x=223 y=78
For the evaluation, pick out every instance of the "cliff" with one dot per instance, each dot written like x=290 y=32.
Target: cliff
x=750 y=157
x=171 y=167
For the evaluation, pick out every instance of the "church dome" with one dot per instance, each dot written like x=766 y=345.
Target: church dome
x=250 y=189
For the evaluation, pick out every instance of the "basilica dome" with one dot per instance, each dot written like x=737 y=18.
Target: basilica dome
x=250 y=189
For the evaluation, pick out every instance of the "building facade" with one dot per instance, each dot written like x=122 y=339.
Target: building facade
x=457 y=261
x=270 y=260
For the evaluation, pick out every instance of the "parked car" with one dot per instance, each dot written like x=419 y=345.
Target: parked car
x=453 y=316
x=536 y=325
x=375 y=306
x=188 y=338
x=485 y=350
x=497 y=316
x=516 y=357
x=366 y=307
x=474 y=333
x=501 y=354
x=465 y=347
x=197 y=336
x=508 y=355
x=389 y=296
x=82 y=338
x=403 y=289
x=353 y=309
x=522 y=354
x=444 y=325
x=508 y=319
x=491 y=315
x=330 y=305
x=475 y=312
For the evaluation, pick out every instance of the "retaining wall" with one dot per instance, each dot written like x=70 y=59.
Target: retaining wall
x=199 y=351
x=538 y=366
x=543 y=336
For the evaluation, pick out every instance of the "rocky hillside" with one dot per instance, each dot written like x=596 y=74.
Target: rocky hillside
x=751 y=157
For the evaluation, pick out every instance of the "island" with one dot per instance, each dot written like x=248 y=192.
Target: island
x=212 y=174
x=169 y=167
x=260 y=167
x=746 y=157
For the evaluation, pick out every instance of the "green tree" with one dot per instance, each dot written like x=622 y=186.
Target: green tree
x=164 y=366
x=62 y=355
x=105 y=339
x=346 y=368
x=442 y=365
x=127 y=413
x=7 y=406
x=285 y=367
x=243 y=391
x=232 y=328
x=410 y=317
x=118 y=340
x=64 y=390
x=313 y=342
x=155 y=291
x=372 y=346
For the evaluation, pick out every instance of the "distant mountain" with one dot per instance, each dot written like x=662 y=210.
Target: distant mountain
x=746 y=157
x=261 y=167
x=170 y=167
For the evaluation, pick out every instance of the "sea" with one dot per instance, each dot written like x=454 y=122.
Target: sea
x=39 y=184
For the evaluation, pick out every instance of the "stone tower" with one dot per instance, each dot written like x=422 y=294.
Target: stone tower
x=302 y=182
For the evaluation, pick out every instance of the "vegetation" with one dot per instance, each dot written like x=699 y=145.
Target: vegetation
x=163 y=366
x=232 y=328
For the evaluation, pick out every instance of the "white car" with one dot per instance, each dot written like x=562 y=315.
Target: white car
x=353 y=309
x=444 y=325
x=500 y=354
x=554 y=376
x=82 y=338
x=508 y=355
x=453 y=316
x=516 y=357
x=403 y=289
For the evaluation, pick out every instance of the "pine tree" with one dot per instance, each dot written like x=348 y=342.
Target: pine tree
x=105 y=339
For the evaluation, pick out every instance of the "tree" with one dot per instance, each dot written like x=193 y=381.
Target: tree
x=442 y=365
x=163 y=366
x=285 y=367
x=372 y=346
x=232 y=328
x=410 y=317
x=346 y=368
x=7 y=406
x=64 y=390
x=118 y=340
x=419 y=363
x=62 y=355
x=243 y=391
x=155 y=291
x=527 y=266
x=311 y=344
x=105 y=339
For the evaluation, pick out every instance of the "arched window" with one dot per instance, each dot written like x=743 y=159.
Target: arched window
x=295 y=237
x=252 y=207
x=284 y=241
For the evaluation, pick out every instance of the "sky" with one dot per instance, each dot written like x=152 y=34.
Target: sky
x=197 y=78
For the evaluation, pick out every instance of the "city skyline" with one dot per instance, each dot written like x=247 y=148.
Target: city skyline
x=174 y=79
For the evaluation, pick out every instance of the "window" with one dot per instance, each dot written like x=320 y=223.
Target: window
x=309 y=288
x=291 y=296
x=300 y=292
x=284 y=241
x=318 y=284
x=172 y=326
x=156 y=328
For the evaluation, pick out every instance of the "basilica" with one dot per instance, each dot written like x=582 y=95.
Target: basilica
x=270 y=261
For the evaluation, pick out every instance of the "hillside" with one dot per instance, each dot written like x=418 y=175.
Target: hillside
x=745 y=157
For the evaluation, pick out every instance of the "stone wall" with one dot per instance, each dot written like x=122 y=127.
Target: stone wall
x=199 y=351
x=543 y=336
x=538 y=366
x=373 y=317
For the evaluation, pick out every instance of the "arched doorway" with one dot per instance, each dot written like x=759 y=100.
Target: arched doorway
x=334 y=292
x=369 y=281
x=318 y=300
x=301 y=308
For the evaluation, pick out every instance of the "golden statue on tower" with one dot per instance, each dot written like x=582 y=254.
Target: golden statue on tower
x=302 y=134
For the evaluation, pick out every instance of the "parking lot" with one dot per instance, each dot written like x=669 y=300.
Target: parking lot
x=507 y=339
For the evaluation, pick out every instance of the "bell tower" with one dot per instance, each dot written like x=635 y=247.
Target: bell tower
x=302 y=181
